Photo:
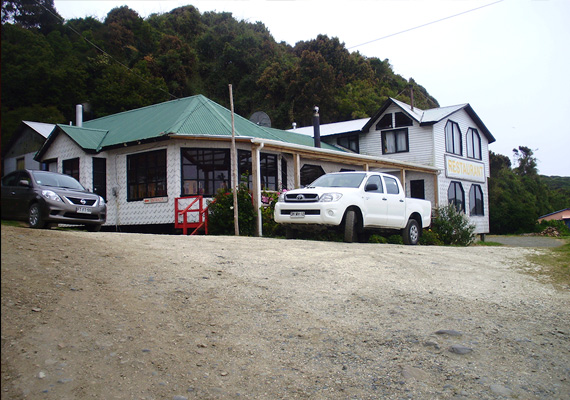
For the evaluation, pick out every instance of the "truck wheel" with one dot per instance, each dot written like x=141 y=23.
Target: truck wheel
x=350 y=232
x=411 y=234
x=35 y=217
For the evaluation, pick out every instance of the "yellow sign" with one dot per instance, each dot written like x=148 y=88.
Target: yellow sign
x=468 y=170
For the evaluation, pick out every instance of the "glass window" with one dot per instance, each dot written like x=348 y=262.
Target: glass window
x=375 y=180
x=385 y=122
x=453 y=138
x=403 y=120
x=476 y=200
x=284 y=175
x=309 y=173
x=349 y=142
x=205 y=171
x=473 y=144
x=391 y=185
x=71 y=167
x=146 y=175
x=395 y=141
x=456 y=196
x=267 y=169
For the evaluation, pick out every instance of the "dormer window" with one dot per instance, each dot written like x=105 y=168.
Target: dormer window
x=453 y=138
x=473 y=144
x=385 y=122
x=403 y=120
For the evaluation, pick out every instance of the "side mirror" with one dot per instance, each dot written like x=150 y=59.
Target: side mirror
x=24 y=183
x=371 y=187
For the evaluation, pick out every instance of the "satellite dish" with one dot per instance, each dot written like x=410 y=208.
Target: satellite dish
x=260 y=118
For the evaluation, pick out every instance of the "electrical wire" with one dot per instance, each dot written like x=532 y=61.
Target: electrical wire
x=424 y=25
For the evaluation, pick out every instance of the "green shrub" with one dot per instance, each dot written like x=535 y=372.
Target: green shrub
x=269 y=226
x=453 y=227
x=430 y=238
x=221 y=213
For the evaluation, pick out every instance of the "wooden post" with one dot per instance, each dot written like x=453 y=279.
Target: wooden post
x=233 y=158
x=256 y=183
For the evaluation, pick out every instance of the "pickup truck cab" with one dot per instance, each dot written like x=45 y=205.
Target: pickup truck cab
x=355 y=201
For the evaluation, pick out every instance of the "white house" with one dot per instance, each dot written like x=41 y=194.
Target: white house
x=23 y=146
x=144 y=161
x=452 y=139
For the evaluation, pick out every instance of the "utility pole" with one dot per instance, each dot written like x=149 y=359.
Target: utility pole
x=234 y=166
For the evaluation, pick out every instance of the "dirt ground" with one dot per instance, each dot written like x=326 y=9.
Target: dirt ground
x=132 y=316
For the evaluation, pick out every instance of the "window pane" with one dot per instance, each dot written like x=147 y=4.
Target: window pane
x=385 y=122
x=403 y=120
x=391 y=186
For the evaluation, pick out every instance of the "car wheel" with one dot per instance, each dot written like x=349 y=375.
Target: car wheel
x=35 y=217
x=411 y=234
x=93 y=228
x=350 y=231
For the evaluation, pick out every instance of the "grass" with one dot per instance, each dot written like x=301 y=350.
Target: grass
x=555 y=265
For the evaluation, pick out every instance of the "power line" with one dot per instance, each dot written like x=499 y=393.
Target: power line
x=424 y=25
x=105 y=53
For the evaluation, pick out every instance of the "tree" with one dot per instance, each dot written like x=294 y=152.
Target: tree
x=40 y=14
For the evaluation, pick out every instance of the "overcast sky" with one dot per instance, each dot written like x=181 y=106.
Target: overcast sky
x=509 y=59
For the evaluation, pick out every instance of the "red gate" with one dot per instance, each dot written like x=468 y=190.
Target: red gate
x=183 y=212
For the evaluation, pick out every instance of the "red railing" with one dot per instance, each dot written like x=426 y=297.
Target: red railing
x=200 y=221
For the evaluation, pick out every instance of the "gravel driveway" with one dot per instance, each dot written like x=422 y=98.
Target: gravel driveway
x=526 y=241
x=130 y=316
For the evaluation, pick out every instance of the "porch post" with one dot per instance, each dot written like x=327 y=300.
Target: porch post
x=297 y=169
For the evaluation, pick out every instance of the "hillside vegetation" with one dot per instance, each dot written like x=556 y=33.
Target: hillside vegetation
x=126 y=61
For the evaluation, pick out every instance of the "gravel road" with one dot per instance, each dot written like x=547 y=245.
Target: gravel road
x=131 y=316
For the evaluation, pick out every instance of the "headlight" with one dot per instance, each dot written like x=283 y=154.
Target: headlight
x=50 y=195
x=101 y=201
x=329 y=197
x=281 y=197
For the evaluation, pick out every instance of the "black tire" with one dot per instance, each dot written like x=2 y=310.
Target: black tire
x=411 y=233
x=35 y=217
x=93 y=228
x=350 y=228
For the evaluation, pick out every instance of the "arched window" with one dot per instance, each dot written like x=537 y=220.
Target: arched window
x=473 y=144
x=476 y=200
x=456 y=195
x=453 y=138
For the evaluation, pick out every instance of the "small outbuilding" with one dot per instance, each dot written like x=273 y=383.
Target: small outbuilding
x=561 y=215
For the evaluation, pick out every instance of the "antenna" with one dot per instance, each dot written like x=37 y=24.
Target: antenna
x=260 y=118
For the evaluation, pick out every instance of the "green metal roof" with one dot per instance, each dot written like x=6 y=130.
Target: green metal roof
x=190 y=116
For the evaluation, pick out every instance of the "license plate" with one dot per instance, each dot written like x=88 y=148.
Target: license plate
x=83 y=210
x=297 y=214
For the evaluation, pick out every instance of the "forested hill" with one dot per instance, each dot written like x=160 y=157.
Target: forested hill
x=126 y=62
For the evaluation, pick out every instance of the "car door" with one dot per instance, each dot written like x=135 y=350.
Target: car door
x=21 y=195
x=375 y=202
x=396 y=203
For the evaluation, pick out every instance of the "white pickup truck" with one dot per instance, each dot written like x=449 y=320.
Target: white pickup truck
x=355 y=201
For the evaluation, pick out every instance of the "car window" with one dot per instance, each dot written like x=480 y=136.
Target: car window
x=349 y=180
x=56 y=180
x=11 y=179
x=375 y=179
x=391 y=185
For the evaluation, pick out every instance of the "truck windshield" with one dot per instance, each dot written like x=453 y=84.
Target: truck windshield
x=349 y=180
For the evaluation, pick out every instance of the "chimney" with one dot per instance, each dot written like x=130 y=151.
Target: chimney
x=294 y=125
x=412 y=96
x=79 y=115
x=317 y=127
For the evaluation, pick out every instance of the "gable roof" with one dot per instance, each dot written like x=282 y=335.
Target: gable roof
x=40 y=127
x=431 y=116
x=190 y=116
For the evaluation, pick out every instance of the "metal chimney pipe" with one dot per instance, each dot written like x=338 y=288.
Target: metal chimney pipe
x=317 y=127
x=79 y=115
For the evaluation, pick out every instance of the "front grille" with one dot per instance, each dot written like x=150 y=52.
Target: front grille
x=307 y=212
x=81 y=216
x=77 y=201
x=301 y=198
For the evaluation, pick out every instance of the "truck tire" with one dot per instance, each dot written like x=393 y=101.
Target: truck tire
x=350 y=229
x=411 y=233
